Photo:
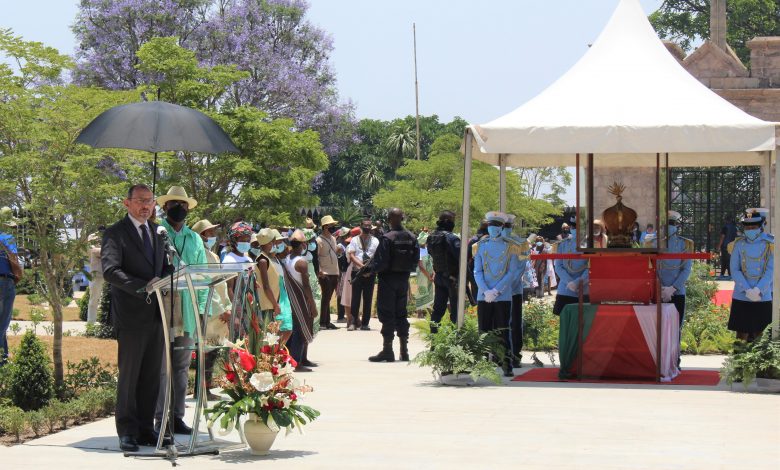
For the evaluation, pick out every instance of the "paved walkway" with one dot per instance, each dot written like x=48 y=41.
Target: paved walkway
x=394 y=416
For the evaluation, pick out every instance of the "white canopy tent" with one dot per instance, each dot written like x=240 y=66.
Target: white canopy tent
x=625 y=99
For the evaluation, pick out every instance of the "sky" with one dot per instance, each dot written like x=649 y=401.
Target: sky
x=475 y=59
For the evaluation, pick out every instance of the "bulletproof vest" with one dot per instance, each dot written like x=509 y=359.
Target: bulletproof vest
x=441 y=255
x=404 y=251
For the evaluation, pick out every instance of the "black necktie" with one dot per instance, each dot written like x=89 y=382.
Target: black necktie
x=148 y=250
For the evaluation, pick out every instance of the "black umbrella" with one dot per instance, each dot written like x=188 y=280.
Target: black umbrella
x=156 y=126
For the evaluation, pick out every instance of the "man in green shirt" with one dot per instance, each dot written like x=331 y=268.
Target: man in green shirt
x=190 y=250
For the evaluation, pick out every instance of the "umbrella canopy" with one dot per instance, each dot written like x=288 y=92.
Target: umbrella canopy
x=156 y=126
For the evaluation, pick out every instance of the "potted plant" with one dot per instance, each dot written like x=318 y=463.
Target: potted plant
x=263 y=387
x=459 y=356
x=759 y=361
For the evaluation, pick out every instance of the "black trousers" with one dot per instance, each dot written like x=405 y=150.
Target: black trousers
x=494 y=316
x=516 y=325
x=362 y=291
x=679 y=304
x=445 y=292
x=139 y=379
x=392 y=296
x=328 y=285
x=725 y=262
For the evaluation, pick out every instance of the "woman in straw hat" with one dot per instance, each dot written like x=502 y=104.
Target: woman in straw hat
x=270 y=282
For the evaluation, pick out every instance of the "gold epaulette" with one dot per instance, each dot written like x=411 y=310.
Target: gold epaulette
x=688 y=245
x=554 y=246
x=730 y=246
x=475 y=246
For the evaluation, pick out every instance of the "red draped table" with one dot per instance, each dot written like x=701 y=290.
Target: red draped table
x=619 y=341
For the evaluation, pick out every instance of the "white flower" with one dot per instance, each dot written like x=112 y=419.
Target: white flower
x=271 y=338
x=286 y=369
x=287 y=402
x=262 y=381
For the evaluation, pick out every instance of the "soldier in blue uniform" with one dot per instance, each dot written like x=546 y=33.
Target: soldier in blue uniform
x=516 y=315
x=674 y=273
x=572 y=272
x=752 y=264
x=495 y=268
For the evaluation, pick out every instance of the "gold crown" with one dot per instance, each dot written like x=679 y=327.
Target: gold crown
x=616 y=189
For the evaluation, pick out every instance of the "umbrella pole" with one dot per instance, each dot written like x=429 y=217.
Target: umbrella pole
x=154 y=174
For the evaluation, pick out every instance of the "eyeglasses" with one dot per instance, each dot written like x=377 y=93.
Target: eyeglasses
x=144 y=201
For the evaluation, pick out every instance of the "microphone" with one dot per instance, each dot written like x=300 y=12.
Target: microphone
x=170 y=251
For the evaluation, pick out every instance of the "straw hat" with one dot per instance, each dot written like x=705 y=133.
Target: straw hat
x=203 y=225
x=177 y=193
x=298 y=236
x=278 y=235
x=310 y=223
x=266 y=236
x=328 y=220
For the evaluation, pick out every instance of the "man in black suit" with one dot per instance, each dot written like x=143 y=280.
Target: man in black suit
x=133 y=257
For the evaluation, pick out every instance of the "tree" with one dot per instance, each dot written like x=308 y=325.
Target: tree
x=401 y=144
x=272 y=177
x=64 y=190
x=688 y=21
x=428 y=187
x=552 y=179
x=284 y=56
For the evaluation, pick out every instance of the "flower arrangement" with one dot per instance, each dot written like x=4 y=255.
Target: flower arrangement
x=263 y=385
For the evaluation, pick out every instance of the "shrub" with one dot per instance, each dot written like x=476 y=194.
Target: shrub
x=102 y=328
x=12 y=421
x=83 y=304
x=32 y=384
x=53 y=413
x=700 y=287
x=35 y=299
x=705 y=331
x=761 y=358
x=540 y=326
x=27 y=284
x=87 y=375
x=36 y=421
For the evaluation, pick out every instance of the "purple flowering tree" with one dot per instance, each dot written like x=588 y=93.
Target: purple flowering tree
x=285 y=55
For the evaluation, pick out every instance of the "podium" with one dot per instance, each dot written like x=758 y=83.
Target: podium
x=187 y=281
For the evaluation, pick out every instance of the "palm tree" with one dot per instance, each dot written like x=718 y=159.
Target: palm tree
x=372 y=174
x=402 y=143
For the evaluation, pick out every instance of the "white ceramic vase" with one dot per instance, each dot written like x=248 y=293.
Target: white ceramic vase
x=258 y=435
x=456 y=379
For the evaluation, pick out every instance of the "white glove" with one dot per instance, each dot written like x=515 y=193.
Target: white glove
x=573 y=286
x=491 y=295
x=754 y=294
x=667 y=293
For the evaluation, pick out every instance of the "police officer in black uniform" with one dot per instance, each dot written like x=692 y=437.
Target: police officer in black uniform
x=444 y=248
x=394 y=260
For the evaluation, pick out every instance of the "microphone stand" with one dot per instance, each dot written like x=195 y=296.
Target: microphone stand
x=171 y=253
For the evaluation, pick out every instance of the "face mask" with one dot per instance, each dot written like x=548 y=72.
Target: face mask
x=277 y=248
x=565 y=232
x=494 y=231
x=752 y=233
x=332 y=229
x=243 y=247
x=210 y=242
x=177 y=214
x=255 y=251
x=366 y=230
x=538 y=243
x=312 y=246
x=447 y=225
x=672 y=230
x=507 y=232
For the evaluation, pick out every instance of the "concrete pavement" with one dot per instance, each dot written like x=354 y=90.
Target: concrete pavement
x=395 y=416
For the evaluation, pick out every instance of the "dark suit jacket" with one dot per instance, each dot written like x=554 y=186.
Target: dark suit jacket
x=126 y=269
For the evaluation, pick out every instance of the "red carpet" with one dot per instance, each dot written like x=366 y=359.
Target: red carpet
x=706 y=378
x=723 y=297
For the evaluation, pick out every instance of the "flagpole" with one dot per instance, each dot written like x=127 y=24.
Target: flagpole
x=416 y=92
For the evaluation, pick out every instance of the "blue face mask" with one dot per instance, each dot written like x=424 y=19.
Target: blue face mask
x=242 y=247
x=507 y=232
x=672 y=230
x=277 y=248
x=494 y=231
x=255 y=251
x=752 y=233
x=210 y=242
x=312 y=246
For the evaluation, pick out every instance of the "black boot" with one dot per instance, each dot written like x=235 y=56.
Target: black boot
x=386 y=354
x=404 y=340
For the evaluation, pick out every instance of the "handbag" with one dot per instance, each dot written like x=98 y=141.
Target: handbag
x=16 y=268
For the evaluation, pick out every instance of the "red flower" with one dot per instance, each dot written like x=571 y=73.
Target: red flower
x=231 y=376
x=293 y=362
x=248 y=361
x=266 y=349
x=274 y=370
x=280 y=404
x=293 y=396
x=267 y=407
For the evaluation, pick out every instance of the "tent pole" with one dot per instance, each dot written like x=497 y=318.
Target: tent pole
x=502 y=182
x=774 y=208
x=464 y=229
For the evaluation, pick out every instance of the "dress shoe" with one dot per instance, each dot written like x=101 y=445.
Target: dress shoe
x=365 y=328
x=308 y=363
x=341 y=320
x=303 y=369
x=329 y=326
x=180 y=427
x=128 y=444
x=150 y=439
